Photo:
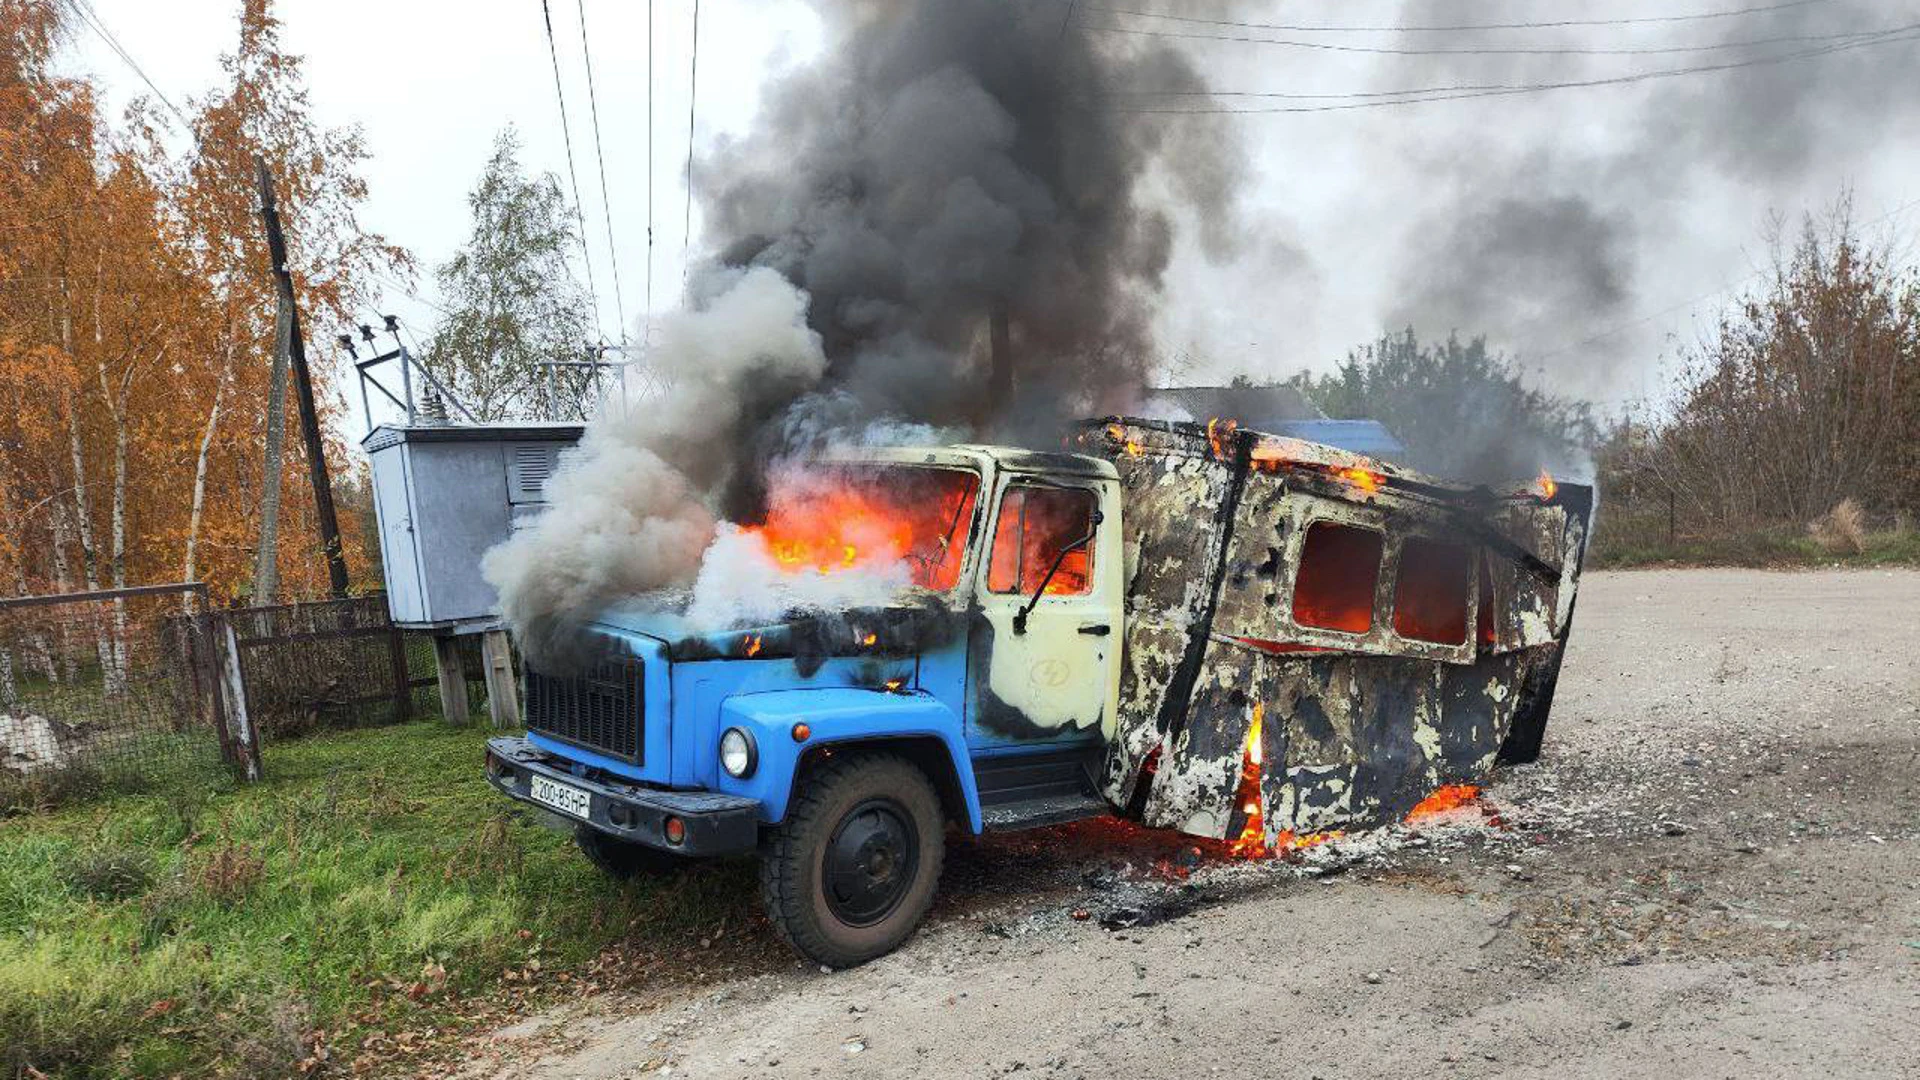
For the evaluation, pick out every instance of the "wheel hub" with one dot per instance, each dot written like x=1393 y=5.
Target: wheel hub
x=870 y=862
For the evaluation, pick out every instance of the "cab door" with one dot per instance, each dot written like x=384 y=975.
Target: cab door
x=1046 y=670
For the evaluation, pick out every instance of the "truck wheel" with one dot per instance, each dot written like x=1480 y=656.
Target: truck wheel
x=852 y=870
x=622 y=859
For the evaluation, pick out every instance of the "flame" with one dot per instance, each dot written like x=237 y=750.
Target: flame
x=869 y=639
x=1450 y=797
x=854 y=518
x=1268 y=458
x=1363 y=479
x=893 y=686
x=1118 y=434
x=1544 y=486
x=1252 y=841
x=751 y=644
x=1220 y=437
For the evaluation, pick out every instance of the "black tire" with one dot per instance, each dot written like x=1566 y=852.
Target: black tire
x=878 y=818
x=624 y=860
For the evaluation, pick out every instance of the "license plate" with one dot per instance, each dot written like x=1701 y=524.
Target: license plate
x=562 y=797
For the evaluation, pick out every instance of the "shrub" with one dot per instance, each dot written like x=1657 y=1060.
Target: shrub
x=229 y=871
x=1841 y=530
x=108 y=873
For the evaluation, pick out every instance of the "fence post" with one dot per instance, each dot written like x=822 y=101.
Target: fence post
x=503 y=697
x=451 y=670
x=402 y=688
x=237 y=724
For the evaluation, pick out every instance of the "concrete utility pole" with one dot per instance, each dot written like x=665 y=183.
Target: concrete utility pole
x=295 y=352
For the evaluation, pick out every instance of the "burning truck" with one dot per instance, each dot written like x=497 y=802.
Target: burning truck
x=1241 y=636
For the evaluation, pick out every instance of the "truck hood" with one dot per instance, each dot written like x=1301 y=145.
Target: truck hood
x=914 y=623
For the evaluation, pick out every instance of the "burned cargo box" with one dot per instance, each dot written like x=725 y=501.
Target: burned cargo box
x=1381 y=633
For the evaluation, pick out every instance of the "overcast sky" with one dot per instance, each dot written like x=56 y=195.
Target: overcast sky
x=1582 y=230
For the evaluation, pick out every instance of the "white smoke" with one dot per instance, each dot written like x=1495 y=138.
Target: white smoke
x=631 y=510
x=742 y=584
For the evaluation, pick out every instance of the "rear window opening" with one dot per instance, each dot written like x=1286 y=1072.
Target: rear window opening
x=1430 y=593
x=1339 y=567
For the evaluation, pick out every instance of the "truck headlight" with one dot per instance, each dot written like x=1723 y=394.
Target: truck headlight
x=738 y=754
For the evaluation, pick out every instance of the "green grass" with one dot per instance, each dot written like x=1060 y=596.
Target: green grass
x=1772 y=548
x=203 y=929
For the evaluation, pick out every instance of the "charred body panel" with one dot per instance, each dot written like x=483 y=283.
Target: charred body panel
x=1366 y=713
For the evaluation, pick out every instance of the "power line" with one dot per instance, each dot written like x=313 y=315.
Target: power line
x=1894 y=35
x=1386 y=50
x=84 y=11
x=649 y=326
x=407 y=291
x=606 y=197
x=1556 y=24
x=693 y=100
x=566 y=136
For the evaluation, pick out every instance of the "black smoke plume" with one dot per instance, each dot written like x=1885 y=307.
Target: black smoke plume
x=938 y=222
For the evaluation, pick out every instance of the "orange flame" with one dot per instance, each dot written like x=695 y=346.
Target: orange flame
x=751 y=644
x=1268 y=458
x=836 y=520
x=1544 y=486
x=870 y=639
x=1119 y=435
x=1252 y=841
x=1450 y=797
x=893 y=686
x=1363 y=479
x=1220 y=437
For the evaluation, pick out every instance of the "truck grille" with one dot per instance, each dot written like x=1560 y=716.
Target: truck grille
x=599 y=710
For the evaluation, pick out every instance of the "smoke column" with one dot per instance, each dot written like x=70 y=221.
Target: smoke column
x=946 y=164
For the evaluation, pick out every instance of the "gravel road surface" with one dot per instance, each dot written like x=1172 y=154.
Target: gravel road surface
x=1714 y=871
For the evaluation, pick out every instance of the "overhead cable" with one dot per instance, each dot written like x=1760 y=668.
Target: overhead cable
x=1891 y=36
x=606 y=195
x=693 y=101
x=1516 y=50
x=85 y=12
x=1452 y=27
x=566 y=136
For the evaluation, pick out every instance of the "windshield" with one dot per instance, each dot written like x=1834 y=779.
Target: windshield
x=827 y=518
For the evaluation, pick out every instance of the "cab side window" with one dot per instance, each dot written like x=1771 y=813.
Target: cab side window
x=1036 y=524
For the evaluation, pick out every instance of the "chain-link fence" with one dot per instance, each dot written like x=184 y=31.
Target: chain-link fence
x=106 y=690
x=133 y=687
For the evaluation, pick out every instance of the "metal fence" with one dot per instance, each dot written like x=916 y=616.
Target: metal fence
x=130 y=688
x=107 y=689
x=334 y=664
x=326 y=664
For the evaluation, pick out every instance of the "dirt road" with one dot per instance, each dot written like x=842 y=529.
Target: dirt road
x=1713 y=871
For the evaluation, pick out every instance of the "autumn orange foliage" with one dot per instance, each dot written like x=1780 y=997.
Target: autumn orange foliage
x=137 y=320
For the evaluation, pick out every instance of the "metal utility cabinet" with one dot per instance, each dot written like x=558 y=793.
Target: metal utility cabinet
x=444 y=494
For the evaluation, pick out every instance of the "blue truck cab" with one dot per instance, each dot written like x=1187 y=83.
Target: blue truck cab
x=841 y=745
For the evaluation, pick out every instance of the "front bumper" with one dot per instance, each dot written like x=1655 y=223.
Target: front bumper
x=716 y=824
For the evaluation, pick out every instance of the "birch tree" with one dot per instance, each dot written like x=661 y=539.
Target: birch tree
x=512 y=298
